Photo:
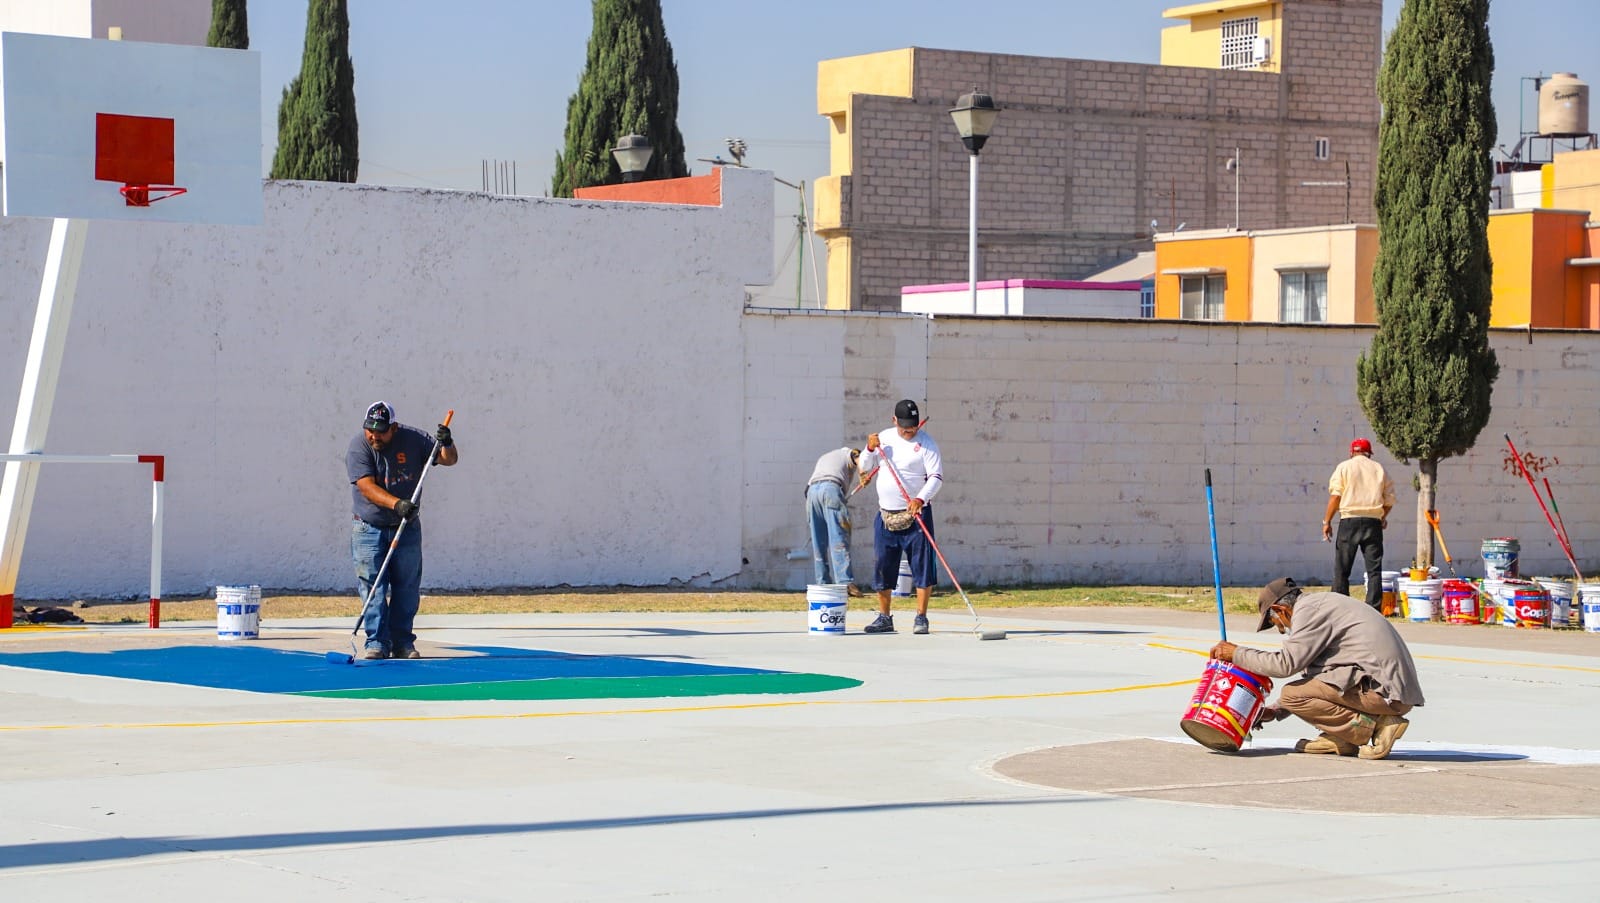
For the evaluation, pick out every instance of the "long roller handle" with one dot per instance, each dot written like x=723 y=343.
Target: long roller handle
x=1560 y=539
x=1216 y=559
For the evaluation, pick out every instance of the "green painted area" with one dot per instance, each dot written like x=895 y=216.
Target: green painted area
x=605 y=687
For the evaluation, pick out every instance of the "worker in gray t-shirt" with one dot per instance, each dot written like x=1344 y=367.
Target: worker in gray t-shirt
x=827 y=493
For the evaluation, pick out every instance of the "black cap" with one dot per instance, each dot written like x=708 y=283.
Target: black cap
x=906 y=414
x=1280 y=591
x=380 y=416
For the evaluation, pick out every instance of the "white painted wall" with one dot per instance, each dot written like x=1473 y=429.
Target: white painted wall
x=1014 y=298
x=592 y=352
x=624 y=420
x=160 y=21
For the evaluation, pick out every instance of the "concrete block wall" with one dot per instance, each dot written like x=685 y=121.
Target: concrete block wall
x=1075 y=450
x=1087 y=153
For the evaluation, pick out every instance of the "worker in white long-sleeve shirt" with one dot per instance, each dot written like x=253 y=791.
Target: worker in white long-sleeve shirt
x=906 y=451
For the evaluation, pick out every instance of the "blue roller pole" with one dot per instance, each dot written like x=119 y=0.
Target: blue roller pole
x=1216 y=561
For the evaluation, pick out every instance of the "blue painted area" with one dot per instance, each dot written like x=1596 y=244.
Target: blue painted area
x=261 y=670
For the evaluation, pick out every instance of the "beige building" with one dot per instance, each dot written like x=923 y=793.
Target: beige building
x=1086 y=154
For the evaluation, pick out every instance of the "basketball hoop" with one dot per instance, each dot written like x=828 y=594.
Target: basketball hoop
x=145 y=195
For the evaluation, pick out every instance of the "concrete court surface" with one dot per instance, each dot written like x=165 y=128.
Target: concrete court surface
x=1048 y=766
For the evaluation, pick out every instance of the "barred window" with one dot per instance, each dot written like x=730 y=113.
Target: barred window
x=1239 y=43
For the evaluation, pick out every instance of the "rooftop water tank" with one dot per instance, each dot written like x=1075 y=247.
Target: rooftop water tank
x=1564 y=106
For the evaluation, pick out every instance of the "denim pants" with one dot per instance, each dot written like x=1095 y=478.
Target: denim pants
x=830 y=532
x=388 y=626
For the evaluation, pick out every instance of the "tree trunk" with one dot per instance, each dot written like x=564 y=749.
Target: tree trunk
x=1427 y=472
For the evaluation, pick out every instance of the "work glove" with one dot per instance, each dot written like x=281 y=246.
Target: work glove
x=443 y=435
x=405 y=509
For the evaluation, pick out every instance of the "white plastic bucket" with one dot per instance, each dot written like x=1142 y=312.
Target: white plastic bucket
x=1589 y=599
x=904 y=586
x=1500 y=557
x=1391 y=595
x=238 y=613
x=1505 y=593
x=1561 y=599
x=827 y=603
x=1422 y=597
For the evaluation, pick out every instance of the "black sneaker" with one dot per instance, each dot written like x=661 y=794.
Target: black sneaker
x=920 y=625
x=884 y=624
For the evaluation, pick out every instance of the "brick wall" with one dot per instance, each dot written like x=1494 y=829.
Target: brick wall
x=1086 y=153
x=1075 y=449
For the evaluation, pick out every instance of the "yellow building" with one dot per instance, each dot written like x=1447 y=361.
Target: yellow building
x=1546 y=273
x=1224 y=34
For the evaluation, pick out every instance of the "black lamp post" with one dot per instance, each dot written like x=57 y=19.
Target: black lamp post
x=633 y=155
x=974 y=116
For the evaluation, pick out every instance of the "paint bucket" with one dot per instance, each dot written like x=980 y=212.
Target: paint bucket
x=1561 y=599
x=1505 y=596
x=1500 y=557
x=238 y=613
x=904 y=587
x=1225 y=706
x=1589 y=598
x=1492 y=589
x=827 y=603
x=1391 y=602
x=1532 y=606
x=1460 y=602
x=1421 y=598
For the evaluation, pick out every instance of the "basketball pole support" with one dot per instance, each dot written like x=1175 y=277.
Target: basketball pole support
x=50 y=323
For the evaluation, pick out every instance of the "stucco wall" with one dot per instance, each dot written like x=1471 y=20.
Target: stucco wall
x=591 y=351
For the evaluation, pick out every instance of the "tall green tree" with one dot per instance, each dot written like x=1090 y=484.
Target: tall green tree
x=229 y=26
x=1426 y=380
x=629 y=86
x=317 y=116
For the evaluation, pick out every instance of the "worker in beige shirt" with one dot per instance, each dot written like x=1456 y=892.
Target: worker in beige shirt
x=1361 y=494
x=1359 y=679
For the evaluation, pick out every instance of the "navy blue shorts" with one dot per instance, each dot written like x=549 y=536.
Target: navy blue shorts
x=910 y=543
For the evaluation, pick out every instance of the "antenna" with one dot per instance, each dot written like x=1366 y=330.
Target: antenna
x=736 y=150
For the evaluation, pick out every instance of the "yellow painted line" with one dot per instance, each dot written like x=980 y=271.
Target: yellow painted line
x=39 y=628
x=1431 y=658
x=392 y=719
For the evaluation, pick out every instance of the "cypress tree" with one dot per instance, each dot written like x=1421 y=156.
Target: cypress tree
x=1425 y=382
x=229 y=27
x=629 y=86
x=317 y=116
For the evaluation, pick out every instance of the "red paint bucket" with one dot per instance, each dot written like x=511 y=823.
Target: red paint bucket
x=1225 y=706
x=1460 y=602
x=1532 y=607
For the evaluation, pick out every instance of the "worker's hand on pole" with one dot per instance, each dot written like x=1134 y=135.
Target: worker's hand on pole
x=872 y=442
x=404 y=508
x=915 y=506
x=1223 y=651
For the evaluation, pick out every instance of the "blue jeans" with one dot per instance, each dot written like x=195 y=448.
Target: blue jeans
x=388 y=626
x=830 y=532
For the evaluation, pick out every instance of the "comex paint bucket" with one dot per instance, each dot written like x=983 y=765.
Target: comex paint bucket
x=1225 y=706
x=1561 y=599
x=1532 y=606
x=1589 y=599
x=904 y=586
x=1508 y=592
x=1500 y=557
x=1460 y=602
x=827 y=603
x=238 y=613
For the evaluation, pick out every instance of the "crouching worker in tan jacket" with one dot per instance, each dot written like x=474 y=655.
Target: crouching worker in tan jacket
x=1359 y=680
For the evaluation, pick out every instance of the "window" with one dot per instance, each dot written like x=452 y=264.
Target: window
x=1303 y=296
x=1147 y=300
x=1322 y=150
x=1239 y=43
x=1202 y=297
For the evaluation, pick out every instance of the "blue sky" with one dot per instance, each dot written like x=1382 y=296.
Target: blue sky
x=442 y=86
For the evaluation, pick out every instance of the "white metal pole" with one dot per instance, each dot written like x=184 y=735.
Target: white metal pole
x=39 y=376
x=972 y=232
x=1237 y=166
x=158 y=488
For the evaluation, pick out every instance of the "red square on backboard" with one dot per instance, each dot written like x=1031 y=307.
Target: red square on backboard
x=133 y=150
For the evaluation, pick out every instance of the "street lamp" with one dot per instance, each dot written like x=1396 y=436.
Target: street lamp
x=974 y=116
x=633 y=155
x=1233 y=165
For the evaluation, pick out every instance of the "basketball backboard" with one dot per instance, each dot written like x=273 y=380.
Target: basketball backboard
x=97 y=129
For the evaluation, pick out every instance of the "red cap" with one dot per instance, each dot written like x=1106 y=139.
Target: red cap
x=1362 y=446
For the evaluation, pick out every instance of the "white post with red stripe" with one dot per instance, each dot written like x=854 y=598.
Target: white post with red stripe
x=158 y=484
